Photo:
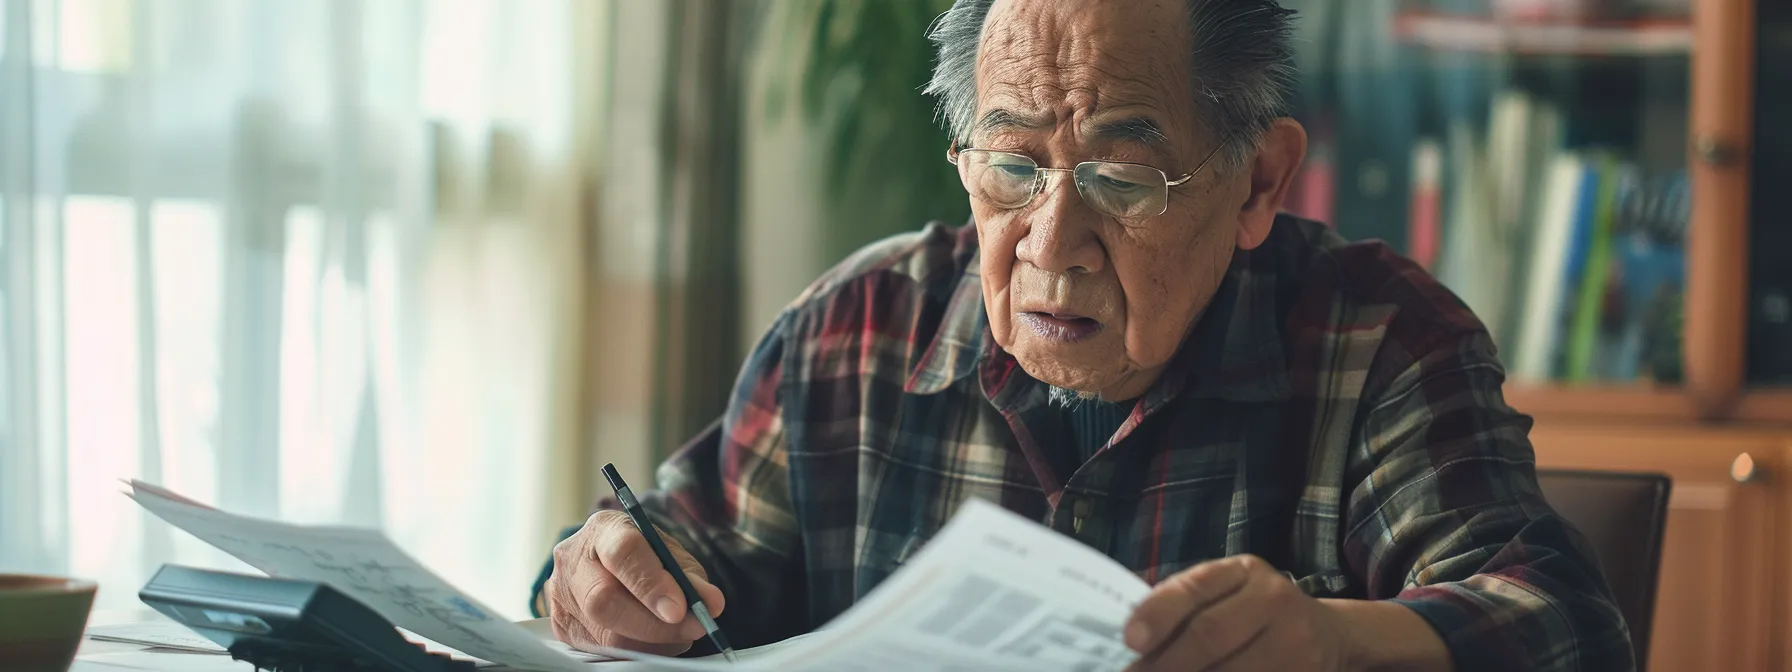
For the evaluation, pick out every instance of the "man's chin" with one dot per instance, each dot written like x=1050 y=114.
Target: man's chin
x=1076 y=382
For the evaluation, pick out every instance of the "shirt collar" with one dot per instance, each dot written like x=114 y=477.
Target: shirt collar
x=1235 y=351
x=961 y=341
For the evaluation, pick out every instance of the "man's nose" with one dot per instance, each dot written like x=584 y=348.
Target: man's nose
x=1061 y=230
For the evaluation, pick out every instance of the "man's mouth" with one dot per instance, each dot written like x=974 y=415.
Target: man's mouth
x=1065 y=327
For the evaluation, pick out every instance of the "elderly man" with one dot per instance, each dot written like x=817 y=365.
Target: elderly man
x=1133 y=347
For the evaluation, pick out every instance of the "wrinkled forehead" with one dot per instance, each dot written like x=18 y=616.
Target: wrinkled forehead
x=1077 y=60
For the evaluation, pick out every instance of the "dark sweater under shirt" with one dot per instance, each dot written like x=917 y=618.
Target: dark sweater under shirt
x=1090 y=424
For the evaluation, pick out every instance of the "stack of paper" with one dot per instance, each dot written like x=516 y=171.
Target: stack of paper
x=993 y=591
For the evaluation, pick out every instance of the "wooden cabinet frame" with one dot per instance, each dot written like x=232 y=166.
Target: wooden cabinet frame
x=1721 y=132
x=1720 y=138
x=1726 y=575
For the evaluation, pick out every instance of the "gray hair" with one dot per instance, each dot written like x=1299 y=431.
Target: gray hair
x=1069 y=399
x=1243 y=58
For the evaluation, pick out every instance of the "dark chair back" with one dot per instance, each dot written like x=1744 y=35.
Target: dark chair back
x=1622 y=515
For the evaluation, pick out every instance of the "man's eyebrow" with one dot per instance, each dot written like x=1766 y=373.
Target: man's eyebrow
x=1141 y=130
x=1000 y=119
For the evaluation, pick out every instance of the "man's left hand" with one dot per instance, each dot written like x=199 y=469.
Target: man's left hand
x=1236 y=613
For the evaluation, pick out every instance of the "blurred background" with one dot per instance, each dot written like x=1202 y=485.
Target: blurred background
x=427 y=264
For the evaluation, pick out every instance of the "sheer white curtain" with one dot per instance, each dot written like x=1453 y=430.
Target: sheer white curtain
x=317 y=260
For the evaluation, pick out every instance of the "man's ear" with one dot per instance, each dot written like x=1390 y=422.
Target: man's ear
x=1284 y=146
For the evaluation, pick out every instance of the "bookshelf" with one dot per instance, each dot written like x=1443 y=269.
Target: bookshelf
x=1720 y=101
x=1548 y=142
x=1558 y=38
x=1526 y=142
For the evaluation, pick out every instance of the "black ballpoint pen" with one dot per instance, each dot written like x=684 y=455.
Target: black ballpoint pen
x=632 y=507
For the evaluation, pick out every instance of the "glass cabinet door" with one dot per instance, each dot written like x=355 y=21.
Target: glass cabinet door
x=1530 y=153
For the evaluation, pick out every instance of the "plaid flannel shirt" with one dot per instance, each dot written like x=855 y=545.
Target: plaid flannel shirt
x=1335 y=411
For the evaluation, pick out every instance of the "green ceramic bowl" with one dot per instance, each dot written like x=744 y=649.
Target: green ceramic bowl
x=41 y=621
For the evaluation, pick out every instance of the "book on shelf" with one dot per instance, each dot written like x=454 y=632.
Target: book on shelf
x=1426 y=212
x=1493 y=202
x=1649 y=244
x=1543 y=311
x=1594 y=278
x=1572 y=257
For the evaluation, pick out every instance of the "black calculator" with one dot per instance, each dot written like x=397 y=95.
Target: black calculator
x=288 y=626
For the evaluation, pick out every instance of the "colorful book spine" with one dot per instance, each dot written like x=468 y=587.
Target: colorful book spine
x=1541 y=313
x=1426 y=212
x=1583 y=333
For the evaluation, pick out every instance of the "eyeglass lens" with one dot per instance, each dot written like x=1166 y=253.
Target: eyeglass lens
x=1008 y=180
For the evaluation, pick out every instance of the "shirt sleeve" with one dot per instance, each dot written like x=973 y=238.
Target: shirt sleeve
x=1448 y=520
x=726 y=498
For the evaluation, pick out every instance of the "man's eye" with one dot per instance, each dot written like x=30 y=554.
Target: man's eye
x=1116 y=185
x=1015 y=171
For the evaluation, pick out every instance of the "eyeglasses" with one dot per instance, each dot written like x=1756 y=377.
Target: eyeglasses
x=1124 y=190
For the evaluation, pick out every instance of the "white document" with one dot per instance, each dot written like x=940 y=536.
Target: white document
x=159 y=634
x=366 y=566
x=163 y=636
x=992 y=591
x=158 y=660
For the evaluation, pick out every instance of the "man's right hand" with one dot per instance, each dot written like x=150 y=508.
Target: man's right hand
x=608 y=589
